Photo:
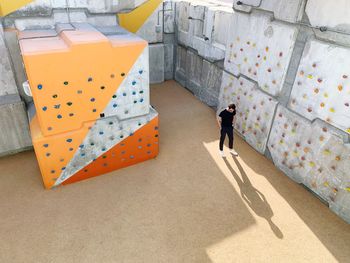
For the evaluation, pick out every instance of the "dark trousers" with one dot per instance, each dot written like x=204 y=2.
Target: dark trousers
x=229 y=132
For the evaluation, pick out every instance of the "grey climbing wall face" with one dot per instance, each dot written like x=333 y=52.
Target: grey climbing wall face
x=255 y=109
x=313 y=154
x=292 y=91
x=321 y=89
x=260 y=50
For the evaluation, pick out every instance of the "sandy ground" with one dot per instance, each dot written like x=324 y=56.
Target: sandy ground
x=187 y=205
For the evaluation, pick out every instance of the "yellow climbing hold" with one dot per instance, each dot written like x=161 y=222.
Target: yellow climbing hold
x=326 y=184
x=310 y=76
x=327 y=152
x=347 y=189
x=134 y=20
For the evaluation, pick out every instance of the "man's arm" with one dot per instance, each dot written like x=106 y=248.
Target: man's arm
x=234 y=118
x=219 y=120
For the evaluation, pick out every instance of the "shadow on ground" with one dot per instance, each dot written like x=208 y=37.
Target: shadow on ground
x=255 y=199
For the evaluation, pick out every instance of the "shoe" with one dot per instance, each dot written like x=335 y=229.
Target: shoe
x=233 y=152
x=222 y=154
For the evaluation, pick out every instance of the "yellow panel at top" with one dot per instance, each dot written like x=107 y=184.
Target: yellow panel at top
x=134 y=20
x=9 y=6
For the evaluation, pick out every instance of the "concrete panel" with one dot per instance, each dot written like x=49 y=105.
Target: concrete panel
x=197 y=22
x=7 y=80
x=182 y=21
x=331 y=14
x=156 y=63
x=169 y=61
x=285 y=10
x=14 y=135
x=260 y=49
x=194 y=66
x=169 y=17
x=211 y=83
x=313 y=154
x=211 y=34
x=255 y=109
x=321 y=86
x=190 y=17
x=17 y=61
x=180 y=70
x=221 y=20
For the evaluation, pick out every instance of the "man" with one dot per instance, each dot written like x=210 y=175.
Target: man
x=225 y=121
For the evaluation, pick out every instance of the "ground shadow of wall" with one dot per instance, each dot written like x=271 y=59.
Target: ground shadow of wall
x=253 y=197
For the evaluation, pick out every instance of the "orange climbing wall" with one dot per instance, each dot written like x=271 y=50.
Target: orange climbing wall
x=74 y=76
x=141 y=146
x=91 y=94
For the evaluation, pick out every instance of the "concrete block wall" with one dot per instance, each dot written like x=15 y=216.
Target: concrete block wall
x=14 y=135
x=285 y=65
x=201 y=36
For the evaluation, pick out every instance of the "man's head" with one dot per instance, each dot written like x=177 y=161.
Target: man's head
x=231 y=107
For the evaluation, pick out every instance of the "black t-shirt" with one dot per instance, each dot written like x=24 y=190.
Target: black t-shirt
x=227 y=118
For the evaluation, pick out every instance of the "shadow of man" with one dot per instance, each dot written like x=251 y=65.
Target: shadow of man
x=253 y=197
